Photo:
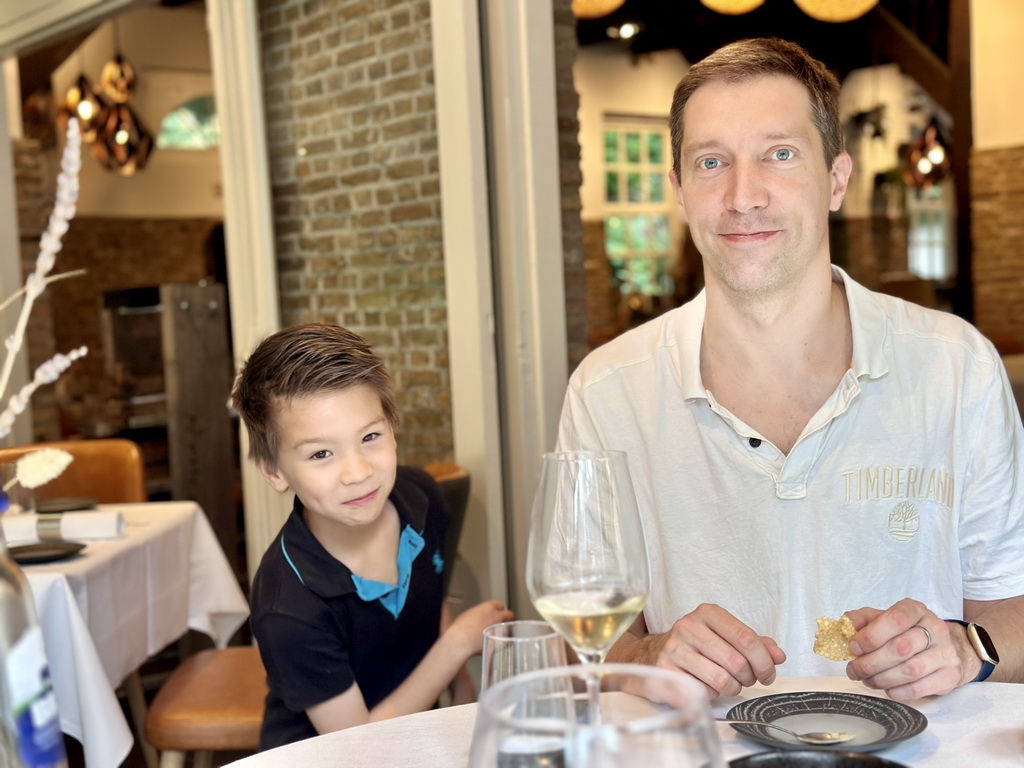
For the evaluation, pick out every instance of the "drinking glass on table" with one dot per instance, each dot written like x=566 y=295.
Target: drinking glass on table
x=650 y=717
x=586 y=565
x=514 y=647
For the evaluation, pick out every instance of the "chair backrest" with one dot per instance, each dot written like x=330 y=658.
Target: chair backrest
x=454 y=483
x=108 y=470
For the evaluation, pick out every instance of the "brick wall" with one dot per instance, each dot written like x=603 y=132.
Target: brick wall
x=997 y=209
x=35 y=180
x=352 y=132
x=580 y=325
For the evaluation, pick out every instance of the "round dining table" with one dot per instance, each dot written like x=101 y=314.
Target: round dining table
x=978 y=724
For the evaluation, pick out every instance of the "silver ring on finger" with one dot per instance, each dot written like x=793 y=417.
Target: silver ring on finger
x=927 y=635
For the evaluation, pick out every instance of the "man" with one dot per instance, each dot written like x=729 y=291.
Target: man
x=800 y=445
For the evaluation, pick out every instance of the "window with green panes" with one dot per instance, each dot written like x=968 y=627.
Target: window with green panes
x=639 y=214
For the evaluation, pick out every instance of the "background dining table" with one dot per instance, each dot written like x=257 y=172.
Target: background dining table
x=979 y=724
x=106 y=610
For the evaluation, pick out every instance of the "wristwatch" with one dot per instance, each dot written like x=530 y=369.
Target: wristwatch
x=983 y=646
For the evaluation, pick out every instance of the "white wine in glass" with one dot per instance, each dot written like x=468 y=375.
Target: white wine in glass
x=586 y=564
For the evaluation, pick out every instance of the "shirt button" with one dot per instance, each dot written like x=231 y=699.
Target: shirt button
x=755 y=442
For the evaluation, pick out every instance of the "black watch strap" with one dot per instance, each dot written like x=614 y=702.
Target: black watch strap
x=983 y=646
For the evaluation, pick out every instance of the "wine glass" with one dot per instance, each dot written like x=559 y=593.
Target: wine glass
x=586 y=563
x=653 y=717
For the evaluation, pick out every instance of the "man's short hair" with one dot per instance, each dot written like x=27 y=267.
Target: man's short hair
x=764 y=57
x=303 y=361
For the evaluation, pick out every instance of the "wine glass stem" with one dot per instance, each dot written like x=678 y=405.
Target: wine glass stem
x=593 y=686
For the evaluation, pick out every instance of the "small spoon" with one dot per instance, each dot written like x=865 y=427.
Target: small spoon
x=819 y=738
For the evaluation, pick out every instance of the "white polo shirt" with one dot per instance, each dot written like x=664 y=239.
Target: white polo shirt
x=908 y=481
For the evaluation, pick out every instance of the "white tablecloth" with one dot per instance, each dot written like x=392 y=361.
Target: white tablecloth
x=106 y=611
x=979 y=724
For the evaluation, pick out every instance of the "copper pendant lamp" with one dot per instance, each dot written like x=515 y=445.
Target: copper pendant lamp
x=732 y=7
x=836 y=10
x=117 y=81
x=82 y=101
x=123 y=144
x=594 y=9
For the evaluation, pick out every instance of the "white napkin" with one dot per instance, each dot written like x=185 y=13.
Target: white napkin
x=29 y=527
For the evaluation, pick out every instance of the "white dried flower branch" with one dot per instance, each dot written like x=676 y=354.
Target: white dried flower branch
x=42 y=466
x=49 y=243
x=39 y=467
x=50 y=279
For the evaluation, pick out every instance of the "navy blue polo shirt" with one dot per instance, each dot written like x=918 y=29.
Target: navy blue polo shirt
x=320 y=630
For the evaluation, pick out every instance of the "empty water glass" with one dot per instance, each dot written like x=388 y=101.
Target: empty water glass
x=514 y=647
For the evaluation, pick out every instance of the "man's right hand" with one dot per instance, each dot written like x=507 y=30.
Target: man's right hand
x=710 y=644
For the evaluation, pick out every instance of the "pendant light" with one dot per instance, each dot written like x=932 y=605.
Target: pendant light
x=82 y=101
x=123 y=144
x=835 y=10
x=594 y=9
x=732 y=7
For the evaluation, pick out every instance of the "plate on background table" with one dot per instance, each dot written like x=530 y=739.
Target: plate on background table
x=876 y=722
x=813 y=760
x=52 y=506
x=45 y=551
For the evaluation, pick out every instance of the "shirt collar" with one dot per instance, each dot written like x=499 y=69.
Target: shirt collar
x=316 y=568
x=867 y=319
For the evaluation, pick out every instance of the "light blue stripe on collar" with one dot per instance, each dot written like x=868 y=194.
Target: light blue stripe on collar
x=392 y=596
x=284 y=551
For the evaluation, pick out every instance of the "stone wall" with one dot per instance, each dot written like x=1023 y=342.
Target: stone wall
x=352 y=133
x=580 y=325
x=997 y=208
x=352 y=130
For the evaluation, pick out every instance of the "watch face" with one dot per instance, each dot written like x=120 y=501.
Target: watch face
x=984 y=646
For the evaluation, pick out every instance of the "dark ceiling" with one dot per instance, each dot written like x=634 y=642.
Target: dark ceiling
x=696 y=31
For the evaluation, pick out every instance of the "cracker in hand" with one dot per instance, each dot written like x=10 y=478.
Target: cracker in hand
x=832 y=640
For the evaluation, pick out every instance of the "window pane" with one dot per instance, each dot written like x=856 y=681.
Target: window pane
x=660 y=236
x=620 y=273
x=664 y=284
x=615 y=236
x=654 y=148
x=656 y=188
x=633 y=147
x=611 y=147
x=640 y=275
x=611 y=187
x=639 y=233
x=636 y=194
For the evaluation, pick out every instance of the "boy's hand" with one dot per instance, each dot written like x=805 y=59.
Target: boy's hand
x=468 y=628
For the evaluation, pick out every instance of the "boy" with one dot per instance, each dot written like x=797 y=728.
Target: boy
x=347 y=606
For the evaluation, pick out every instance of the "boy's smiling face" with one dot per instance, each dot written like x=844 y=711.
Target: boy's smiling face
x=337 y=452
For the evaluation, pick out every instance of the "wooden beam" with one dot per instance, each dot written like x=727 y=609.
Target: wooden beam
x=915 y=58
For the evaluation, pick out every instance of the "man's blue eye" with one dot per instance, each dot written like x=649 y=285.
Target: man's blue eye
x=709 y=163
x=783 y=154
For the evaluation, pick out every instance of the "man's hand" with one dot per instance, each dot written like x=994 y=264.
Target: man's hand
x=895 y=655
x=712 y=645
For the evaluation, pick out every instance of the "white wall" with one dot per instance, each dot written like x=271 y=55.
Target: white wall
x=610 y=80
x=997 y=73
x=169 y=51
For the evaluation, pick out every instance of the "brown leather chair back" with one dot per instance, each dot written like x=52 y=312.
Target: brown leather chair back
x=454 y=482
x=111 y=471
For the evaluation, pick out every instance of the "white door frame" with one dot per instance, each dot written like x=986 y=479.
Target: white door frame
x=248 y=213
x=508 y=372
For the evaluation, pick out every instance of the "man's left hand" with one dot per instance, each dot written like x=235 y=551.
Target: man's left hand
x=909 y=652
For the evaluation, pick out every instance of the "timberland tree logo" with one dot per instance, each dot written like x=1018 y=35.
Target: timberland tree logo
x=904 y=521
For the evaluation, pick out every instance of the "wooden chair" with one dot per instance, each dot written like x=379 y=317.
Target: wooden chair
x=213 y=701
x=454 y=483
x=111 y=471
